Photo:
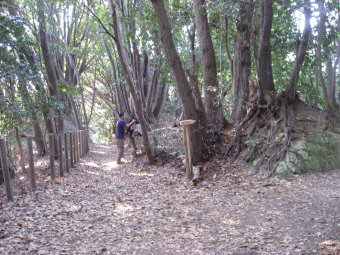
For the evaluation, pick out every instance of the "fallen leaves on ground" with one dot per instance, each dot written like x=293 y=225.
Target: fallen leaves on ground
x=135 y=208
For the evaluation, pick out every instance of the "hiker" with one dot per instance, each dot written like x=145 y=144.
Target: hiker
x=120 y=131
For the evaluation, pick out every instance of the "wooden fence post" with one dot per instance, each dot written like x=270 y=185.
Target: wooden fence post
x=76 y=147
x=84 y=141
x=51 y=146
x=81 y=143
x=67 y=165
x=5 y=170
x=61 y=168
x=31 y=162
x=84 y=152
x=87 y=141
x=79 y=156
x=71 y=150
x=186 y=133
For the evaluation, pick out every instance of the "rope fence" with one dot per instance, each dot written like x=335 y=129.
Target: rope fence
x=66 y=148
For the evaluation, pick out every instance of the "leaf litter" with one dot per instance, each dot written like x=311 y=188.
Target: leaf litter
x=135 y=208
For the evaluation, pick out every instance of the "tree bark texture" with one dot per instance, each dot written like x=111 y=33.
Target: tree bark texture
x=300 y=56
x=208 y=61
x=162 y=92
x=242 y=61
x=265 y=73
x=130 y=81
x=25 y=53
x=321 y=34
x=198 y=138
x=48 y=61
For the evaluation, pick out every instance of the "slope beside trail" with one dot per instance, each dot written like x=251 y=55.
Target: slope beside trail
x=102 y=208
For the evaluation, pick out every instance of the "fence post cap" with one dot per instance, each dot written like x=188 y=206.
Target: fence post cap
x=187 y=122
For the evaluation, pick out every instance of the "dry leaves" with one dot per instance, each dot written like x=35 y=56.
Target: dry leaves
x=102 y=208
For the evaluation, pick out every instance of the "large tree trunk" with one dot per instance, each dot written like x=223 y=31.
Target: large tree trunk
x=194 y=84
x=48 y=61
x=321 y=34
x=25 y=52
x=300 y=56
x=333 y=71
x=150 y=100
x=130 y=82
x=120 y=98
x=74 y=110
x=265 y=72
x=242 y=61
x=162 y=93
x=21 y=150
x=208 y=60
x=198 y=138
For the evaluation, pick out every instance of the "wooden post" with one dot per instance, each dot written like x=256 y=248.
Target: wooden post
x=77 y=146
x=74 y=147
x=87 y=141
x=31 y=162
x=67 y=165
x=51 y=146
x=71 y=150
x=81 y=143
x=84 y=142
x=60 y=142
x=5 y=170
x=186 y=137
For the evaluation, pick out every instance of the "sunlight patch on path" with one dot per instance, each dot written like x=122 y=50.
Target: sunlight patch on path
x=105 y=208
x=142 y=174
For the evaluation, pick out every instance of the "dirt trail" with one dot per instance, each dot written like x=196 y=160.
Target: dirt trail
x=102 y=208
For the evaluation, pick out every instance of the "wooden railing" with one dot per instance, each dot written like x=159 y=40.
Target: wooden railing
x=71 y=147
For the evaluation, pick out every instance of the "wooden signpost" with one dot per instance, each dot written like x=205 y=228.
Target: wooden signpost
x=186 y=136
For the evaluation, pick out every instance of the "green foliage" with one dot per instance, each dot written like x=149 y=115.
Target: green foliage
x=139 y=25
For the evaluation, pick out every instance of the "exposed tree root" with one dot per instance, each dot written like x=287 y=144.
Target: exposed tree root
x=271 y=126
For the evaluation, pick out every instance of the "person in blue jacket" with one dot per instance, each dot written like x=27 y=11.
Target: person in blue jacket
x=121 y=126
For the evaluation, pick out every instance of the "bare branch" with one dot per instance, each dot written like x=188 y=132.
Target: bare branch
x=101 y=23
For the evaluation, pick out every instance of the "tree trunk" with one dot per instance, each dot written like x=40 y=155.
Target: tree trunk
x=150 y=100
x=321 y=34
x=265 y=72
x=130 y=82
x=334 y=71
x=21 y=151
x=193 y=81
x=26 y=52
x=74 y=110
x=119 y=94
x=300 y=56
x=198 y=138
x=242 y=61
x=208 y=60
x=162 y=93
x=316 y=90
x=29 y=55
x=48 y=62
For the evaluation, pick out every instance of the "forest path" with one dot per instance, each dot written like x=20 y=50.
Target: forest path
x=102 y=208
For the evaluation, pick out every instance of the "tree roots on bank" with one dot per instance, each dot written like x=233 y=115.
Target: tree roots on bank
x=267 y=131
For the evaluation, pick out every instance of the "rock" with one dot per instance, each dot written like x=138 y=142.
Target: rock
x=320 y=152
